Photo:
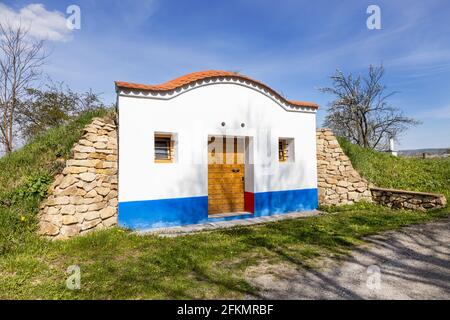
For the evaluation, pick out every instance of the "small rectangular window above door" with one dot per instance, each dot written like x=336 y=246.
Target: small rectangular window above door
x=164 y=148
x=286 y=150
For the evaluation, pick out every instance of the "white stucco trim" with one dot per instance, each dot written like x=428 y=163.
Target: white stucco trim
x=167 y=95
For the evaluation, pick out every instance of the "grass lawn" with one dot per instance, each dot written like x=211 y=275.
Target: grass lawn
x=116 y=264
x=385 y=170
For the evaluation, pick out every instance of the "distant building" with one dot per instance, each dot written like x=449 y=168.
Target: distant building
x=392 y=148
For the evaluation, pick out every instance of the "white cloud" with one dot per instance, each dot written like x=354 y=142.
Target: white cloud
x=137 y=12
x=42 y=24
x=436 y=113
x=428 y=56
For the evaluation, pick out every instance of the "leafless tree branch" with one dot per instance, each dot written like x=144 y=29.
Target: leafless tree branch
x=21 y=60
x=360 y=111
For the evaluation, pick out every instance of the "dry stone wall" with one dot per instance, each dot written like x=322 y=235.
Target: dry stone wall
x=84 y=196
x=339 y=183
x=401 y=199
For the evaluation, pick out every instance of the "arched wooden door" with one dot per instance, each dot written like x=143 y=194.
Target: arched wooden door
x=226 y=174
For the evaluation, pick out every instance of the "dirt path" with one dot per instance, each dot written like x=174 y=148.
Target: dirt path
x=413 y=263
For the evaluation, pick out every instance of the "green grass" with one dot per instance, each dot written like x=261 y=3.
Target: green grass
x=119 y=264
x=415 y=174
x=116 y=264
x=25 y=175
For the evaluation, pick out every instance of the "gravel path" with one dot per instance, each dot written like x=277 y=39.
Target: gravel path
x=413 y=263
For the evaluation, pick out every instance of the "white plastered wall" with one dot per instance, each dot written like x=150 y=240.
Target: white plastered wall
x=193 y=116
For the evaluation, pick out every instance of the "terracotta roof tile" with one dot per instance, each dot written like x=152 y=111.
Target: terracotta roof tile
x=304 y=103
x=201 y=75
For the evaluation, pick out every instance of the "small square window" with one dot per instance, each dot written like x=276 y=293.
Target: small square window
x=164 y=148
x=286 y=150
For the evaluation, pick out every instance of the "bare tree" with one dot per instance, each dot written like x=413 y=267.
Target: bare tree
x=360 y=111
x=51 y=106
x=21 y=59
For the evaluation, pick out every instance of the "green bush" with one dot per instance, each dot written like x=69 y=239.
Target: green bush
x=35 y=186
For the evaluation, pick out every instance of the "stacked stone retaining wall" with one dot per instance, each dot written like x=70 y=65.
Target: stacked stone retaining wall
x=401 y=199
x=84 y=196
x=339 y=183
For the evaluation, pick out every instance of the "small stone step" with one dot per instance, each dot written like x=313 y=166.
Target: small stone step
x=209 y=226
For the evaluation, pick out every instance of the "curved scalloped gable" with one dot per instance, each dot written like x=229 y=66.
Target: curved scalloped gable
x=192 y=80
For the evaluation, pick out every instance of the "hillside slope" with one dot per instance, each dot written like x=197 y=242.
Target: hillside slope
x=25 y=175
x=385 y=170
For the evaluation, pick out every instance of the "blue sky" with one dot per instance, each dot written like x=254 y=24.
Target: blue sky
x=293 y=46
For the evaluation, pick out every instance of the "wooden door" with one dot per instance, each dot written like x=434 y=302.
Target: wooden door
x=225 y=175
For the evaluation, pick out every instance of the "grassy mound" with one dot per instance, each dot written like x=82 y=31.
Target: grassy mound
x=25 y=176
x=385 y=170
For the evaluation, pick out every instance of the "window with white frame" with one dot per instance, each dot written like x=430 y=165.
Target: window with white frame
x=165 y=147
x=286 y=150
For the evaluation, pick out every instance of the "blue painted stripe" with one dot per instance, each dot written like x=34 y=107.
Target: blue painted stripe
x=163 y=213
x=150 y=214
x=276 y=202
